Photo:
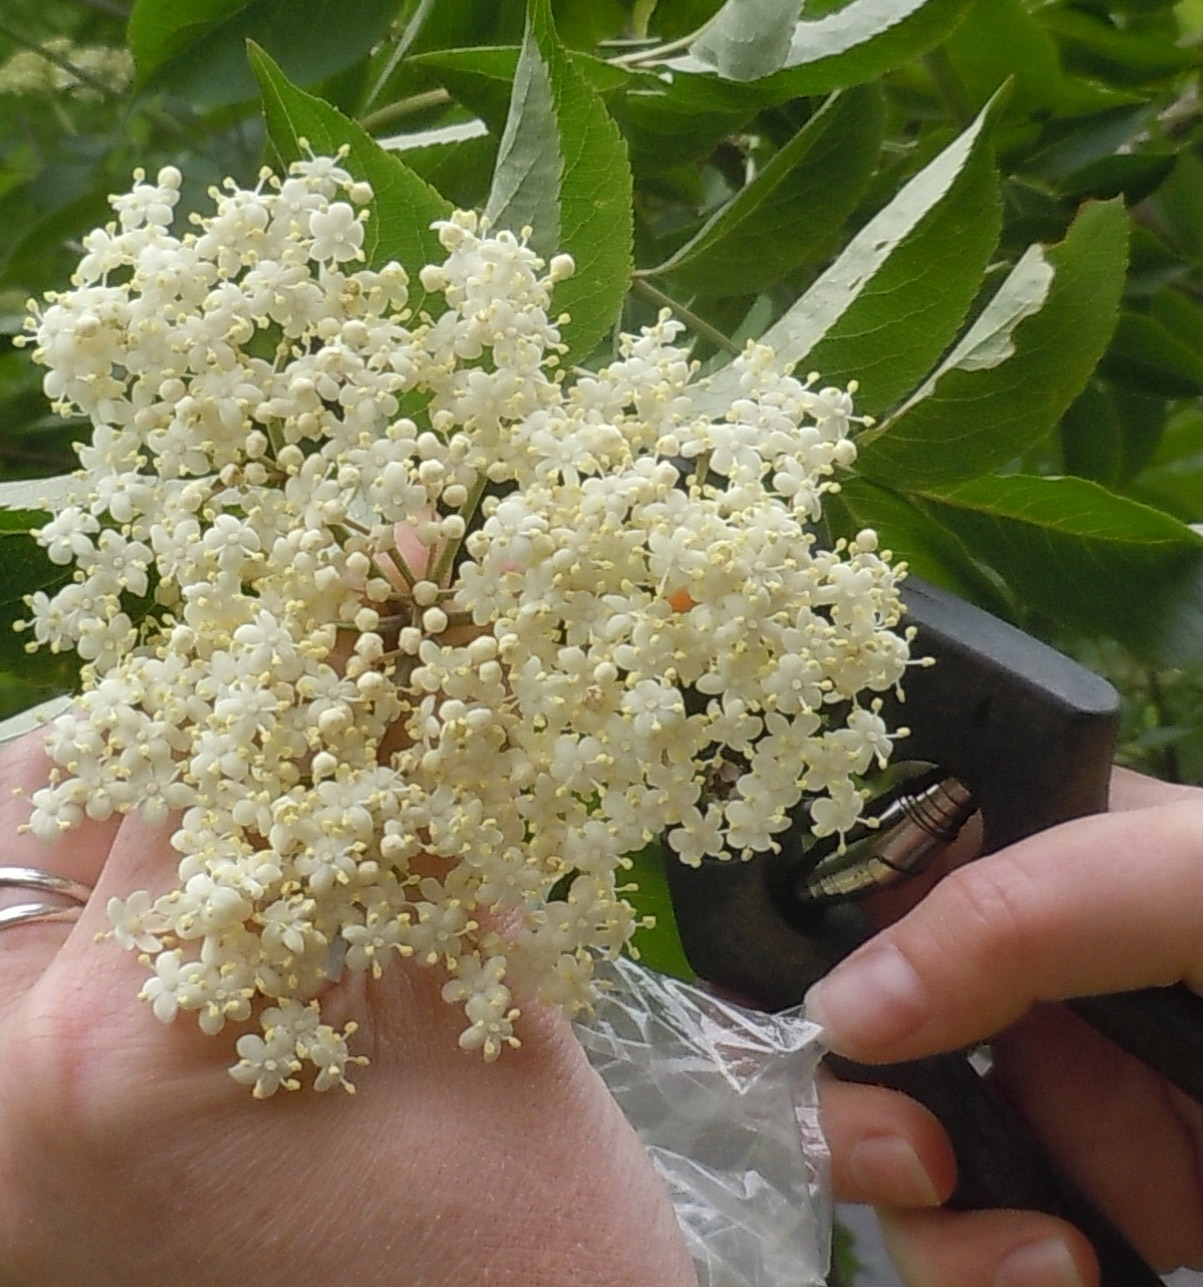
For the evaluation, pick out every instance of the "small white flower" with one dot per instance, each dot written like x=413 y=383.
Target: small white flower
x=337 y=233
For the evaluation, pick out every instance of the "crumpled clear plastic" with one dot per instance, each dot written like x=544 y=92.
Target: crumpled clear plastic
x=725 y=1100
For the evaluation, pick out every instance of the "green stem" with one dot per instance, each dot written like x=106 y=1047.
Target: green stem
x=657 y=54
x=404 y=107
x=404 y=40
x=642 y=16
x=442 y=566
x=653 y=295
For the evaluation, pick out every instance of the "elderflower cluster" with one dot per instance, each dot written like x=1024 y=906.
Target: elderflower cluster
x=414 y=639
x=62 y=67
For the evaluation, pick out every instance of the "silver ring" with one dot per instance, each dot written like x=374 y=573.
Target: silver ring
x=45 y=882
x=28 y=913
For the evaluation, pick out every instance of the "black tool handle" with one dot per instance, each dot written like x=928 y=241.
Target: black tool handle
x=1162 y=1027
x=1000 y=1163
x=736 y=928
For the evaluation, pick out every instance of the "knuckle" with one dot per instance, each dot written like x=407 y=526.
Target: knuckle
x=990 y=915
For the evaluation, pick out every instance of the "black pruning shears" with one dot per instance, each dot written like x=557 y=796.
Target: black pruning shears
x=1004 y=726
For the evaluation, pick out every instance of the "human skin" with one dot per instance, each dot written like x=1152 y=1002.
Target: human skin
x=128 y=1154
x=1100 y=904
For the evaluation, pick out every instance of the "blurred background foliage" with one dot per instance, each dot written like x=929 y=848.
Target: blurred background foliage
x=1053 y=487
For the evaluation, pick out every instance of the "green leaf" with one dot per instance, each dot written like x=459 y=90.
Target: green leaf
x=35 y=494
x=403 y=205
x=851 y=46
x=770 y=226
x=1018 y=368
x=748 y=39
x=658 y=947
x=197 y=51
x=562 y=170
x=1174 y=481
x=25 y=569
x=1092 y=44
x=671 y=121
x=894 y=299
x=997 y=41
x=456 y=159
x=1092 y=436
x=1133 y=176
x=483 y=79
x=913 y=536
x=160 y=30
x=1177 y=204
x=1073 y=146
x=1092 y=561
x=1147 y=355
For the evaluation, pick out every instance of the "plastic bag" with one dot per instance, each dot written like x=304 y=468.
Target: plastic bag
x=725 y=1101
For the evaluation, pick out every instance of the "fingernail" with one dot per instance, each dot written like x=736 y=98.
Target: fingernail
x=868 y=1002
x=888 y=1169
x=1039 y=1264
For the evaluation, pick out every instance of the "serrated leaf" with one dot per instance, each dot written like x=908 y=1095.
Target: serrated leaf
x=748 y=39
x=160 y=30
x=482 y=79
x=894 y=299
x=990 y=401
x=771 y=224
x=1094 y=562
x=403 y=205
x=530 y=163
x=197 y=52
x=851 y=46
x=562 y=170
x=455 y=159
x=38 y=493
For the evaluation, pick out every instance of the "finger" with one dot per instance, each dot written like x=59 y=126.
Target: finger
x=1106 y=1117
x=1098 y=905
x=886 y=1150
x=986 y=1249
x=97 y=1037
x=78 y=855
x=1131 y=790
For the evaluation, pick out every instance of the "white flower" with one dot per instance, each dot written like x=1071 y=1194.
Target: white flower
x=337 y=233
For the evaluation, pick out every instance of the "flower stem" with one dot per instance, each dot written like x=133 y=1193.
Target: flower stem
x=442 y=566
x=653 y=295
x=404 y=107
x=658 y=53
